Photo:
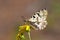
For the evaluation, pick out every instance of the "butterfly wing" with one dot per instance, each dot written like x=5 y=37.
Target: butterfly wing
x=39 y=19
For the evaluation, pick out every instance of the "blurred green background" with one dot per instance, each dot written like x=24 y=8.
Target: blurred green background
x=12 y=10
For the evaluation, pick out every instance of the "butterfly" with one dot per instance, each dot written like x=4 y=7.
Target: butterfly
x=37 y=21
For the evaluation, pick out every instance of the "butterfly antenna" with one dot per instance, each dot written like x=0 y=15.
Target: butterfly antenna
x=23 y=18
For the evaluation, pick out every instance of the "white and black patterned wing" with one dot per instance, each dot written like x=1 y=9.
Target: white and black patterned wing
x=33 y=18
x=39 y=19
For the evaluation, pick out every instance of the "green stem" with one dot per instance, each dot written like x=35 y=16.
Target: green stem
x=29 y=35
